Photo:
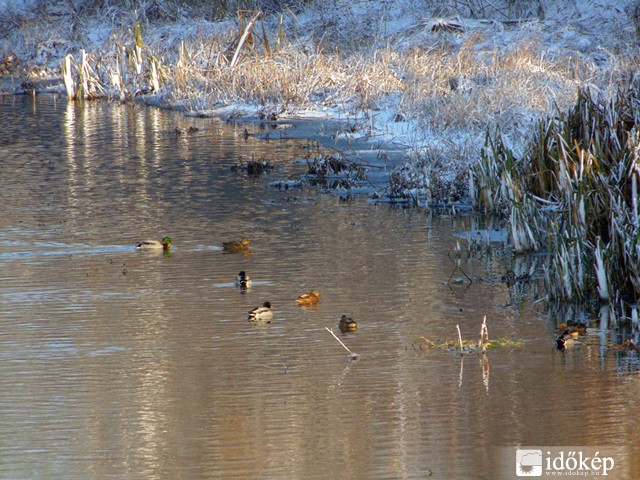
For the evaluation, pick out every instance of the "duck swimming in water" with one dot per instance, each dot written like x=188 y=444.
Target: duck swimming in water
x=311 y=298
x=243 y=280
x=575 y=328
x=261 y=313
x=164 y=244
x=241 y=246
x=564 y=340
x=347 y=324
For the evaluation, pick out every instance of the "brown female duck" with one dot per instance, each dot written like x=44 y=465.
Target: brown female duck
x=239 y=246
x=307 y=299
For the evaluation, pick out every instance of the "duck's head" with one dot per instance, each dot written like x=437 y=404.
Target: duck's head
x=166 y=241
x=315 y=293
x=347 y=320
x=245 y=242
x=267 y=305
x=242 y=274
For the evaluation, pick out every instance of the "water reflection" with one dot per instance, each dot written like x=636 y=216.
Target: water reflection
x=117 y=363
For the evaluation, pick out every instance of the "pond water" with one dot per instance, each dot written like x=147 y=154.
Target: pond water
x=116 y=363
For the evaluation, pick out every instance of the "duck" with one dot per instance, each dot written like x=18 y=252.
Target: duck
x=243 y=280
x=627 y=346
x=261 y=313
x=564 y=340
x=239 y=246
x=164 y=244
x=574 y=329
x=347 y=324
x=580 y=327
x=311 y=298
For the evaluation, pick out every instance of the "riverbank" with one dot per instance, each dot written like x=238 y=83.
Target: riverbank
x=411 y=92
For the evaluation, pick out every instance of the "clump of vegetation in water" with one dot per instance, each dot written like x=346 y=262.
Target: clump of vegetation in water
x=324 y=166
x=407 y=185
x=468 y=346
x=253 y=168
x=574 y=193
x=428 y=179
x=333 y=171
x=461 y=346
x=327 y=165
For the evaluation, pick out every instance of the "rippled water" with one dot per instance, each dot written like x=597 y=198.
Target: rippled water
x=116 y=363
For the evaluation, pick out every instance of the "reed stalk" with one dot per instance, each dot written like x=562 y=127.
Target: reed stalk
x=69 y=82
x=460 y=340
x=574 y=192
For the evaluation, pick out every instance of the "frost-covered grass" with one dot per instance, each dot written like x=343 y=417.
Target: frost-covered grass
x=433 y=76
x=439 y=79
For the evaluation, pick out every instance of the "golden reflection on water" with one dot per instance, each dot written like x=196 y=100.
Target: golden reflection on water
x=118 y=363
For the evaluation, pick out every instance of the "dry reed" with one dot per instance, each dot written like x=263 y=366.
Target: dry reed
x=575 y=193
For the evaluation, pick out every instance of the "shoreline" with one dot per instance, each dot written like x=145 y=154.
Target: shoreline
x=414 y=99
x=326 y=133
x=422 y=112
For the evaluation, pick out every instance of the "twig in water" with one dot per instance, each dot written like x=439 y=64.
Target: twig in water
x=460 y=340
x=354 y=356
x=484 y=335
x=286 y=367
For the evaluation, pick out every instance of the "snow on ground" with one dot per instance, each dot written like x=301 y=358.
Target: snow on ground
x=429 y=136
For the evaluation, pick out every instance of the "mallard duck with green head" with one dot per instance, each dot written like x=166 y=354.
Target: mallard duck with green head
x=311 y=298
x=155 y=245
x=239 y=246
x=261 y=313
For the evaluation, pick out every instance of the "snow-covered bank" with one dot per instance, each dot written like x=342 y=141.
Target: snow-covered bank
x=413 y=86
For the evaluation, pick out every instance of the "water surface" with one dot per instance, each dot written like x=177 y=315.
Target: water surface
x=121 y=364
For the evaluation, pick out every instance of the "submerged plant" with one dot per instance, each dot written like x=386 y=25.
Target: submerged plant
x=323 y=166
x=253 y=168
x=460 y=346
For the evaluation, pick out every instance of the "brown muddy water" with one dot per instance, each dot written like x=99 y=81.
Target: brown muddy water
x=116 y=363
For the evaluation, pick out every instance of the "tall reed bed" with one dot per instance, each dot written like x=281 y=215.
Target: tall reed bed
x=574 y=192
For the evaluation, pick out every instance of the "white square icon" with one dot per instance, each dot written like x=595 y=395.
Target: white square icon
x=529 y=463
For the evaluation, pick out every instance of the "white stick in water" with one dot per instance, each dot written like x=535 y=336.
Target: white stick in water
x=354 y=356
x=460 y=339
x=334 y=336
x=484 y=335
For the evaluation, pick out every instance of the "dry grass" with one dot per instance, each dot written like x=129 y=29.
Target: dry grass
x=441 y=88
x=473 y=89
x=451 y=90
